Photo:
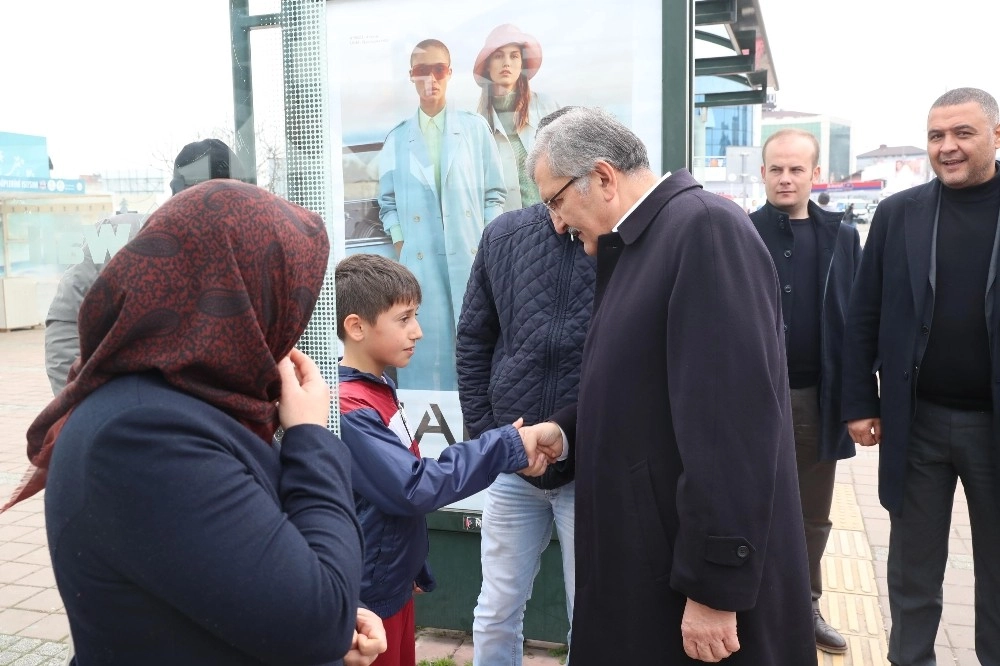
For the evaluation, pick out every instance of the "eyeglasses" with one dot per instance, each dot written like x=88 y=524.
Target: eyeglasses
x=553 y=202
x=438 y=70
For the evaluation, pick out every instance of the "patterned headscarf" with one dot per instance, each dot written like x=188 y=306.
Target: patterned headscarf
x=216 y=288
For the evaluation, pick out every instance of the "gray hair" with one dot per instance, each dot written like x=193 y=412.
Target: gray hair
x=985 y=101
x=576 y=141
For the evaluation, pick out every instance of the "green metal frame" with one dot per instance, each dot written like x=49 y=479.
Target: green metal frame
x=241 y=22
x=678 y=83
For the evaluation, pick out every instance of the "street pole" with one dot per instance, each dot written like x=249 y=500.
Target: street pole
x=743 y=176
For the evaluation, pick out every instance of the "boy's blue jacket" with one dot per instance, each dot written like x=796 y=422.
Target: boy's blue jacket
x=394 y=488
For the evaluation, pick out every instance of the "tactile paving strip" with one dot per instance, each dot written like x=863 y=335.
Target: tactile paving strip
x=845 y=513
x=850 y=599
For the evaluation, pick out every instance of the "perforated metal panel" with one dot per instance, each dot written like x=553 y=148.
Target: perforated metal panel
x=307 y=132
x=283 y=129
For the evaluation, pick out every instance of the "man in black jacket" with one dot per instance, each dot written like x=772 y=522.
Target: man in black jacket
x=196 y=162
x=816 y=258
x=925 y=316
x=519 y=344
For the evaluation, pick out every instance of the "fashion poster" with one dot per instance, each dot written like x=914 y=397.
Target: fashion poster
x=434 y=110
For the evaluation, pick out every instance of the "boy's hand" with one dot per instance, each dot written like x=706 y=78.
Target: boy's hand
x=369 y=640
x=305 y=397
x=537 y=461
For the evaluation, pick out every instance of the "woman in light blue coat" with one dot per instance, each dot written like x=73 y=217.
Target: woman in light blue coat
x=436 y=231
x=508 y=60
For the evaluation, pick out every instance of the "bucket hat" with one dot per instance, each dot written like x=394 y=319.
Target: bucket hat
x=501 y=36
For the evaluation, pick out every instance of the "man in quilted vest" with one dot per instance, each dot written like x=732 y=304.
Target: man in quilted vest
x=520 y=340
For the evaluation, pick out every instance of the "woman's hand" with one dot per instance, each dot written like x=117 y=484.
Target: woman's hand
x=305 y=397
x=369 y=640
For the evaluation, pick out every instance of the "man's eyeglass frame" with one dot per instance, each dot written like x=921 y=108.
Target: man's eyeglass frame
x=552 y=203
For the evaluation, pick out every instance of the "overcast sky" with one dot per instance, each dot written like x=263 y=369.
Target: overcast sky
x=100 y=78
x=880 y=63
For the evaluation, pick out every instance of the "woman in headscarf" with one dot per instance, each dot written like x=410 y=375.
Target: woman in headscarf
x=180 y=531
x=504 y=66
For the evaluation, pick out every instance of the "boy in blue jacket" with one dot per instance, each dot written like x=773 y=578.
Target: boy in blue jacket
x=394 y=487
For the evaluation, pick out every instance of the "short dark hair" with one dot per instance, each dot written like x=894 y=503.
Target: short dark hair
x=555 y=115
x=824 y=198
x=986 y=102
x=369 y=284
x=204 y=160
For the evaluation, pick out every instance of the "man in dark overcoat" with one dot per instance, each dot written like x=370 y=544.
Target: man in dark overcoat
x=924 y=317
x=689 y=536
x=816 y=257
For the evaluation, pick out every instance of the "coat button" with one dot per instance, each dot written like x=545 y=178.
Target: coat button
x=924 y=329
x=468 y=213
x=742 y=552
x=473 y=250
x=781 y=225
x=420 y=255
x=788 y=288
x=788 y=253
x=416 y=218
x=906 y=375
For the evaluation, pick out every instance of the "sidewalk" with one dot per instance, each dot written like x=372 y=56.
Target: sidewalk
x=34 y=630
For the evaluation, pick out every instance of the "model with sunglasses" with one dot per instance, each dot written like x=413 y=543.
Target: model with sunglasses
x=440 y=182
x=504 y=66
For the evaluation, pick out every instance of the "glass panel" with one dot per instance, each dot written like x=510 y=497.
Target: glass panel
x=432 y=197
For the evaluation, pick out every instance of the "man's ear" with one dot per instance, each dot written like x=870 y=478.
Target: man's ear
x=608 y=179
x=354 y=327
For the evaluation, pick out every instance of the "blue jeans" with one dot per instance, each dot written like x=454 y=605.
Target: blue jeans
x=517 y=526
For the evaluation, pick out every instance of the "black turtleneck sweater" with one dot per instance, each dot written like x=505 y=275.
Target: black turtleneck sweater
x=803 y=322
x=955 y=371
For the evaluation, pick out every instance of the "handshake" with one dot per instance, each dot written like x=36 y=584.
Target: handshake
x=543 y=444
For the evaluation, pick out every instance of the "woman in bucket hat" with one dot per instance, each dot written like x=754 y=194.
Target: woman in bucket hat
x=505 y=64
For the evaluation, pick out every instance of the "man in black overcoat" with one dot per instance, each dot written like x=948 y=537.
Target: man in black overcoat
x=689 y=537
x=816 y=257
x=924 y=316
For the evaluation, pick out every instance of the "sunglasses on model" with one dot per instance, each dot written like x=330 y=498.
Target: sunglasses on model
x=439 y=70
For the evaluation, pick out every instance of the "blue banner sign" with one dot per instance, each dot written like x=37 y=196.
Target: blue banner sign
x=41 y=185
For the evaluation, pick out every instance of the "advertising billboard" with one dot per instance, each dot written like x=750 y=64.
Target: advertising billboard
x=425 y=111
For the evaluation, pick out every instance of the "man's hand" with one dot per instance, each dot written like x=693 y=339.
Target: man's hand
x=708 y=634
x=305 y=397
x=548 y=439
x=537 y=462
x=398 y=245
x=866 y=432
x=369 y=639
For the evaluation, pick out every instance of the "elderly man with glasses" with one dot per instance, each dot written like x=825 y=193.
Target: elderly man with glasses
x=689 y=537
x=440 y=182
